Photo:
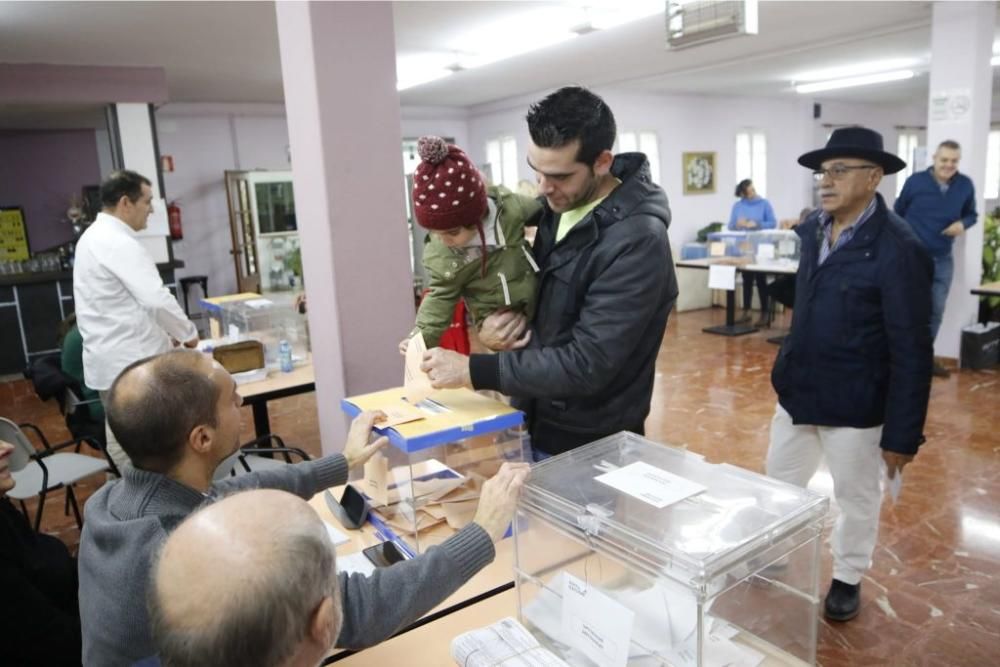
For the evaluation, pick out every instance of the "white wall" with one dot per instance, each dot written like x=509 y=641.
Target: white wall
x=205 y=140
x=686 y=123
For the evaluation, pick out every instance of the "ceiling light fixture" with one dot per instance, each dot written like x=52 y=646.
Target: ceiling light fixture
x=857 y=69
x=852 y=81
x=994 y=61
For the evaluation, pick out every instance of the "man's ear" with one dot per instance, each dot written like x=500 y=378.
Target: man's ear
x=324 y=624
x=602 y=165
x=200 y=438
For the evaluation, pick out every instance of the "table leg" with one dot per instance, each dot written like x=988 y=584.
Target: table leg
x=730 y=328
x=261 y=421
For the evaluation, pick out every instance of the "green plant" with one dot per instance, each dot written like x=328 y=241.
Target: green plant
x=991 y=254
x=293 y=260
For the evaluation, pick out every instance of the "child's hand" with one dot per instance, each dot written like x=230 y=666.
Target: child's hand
x=403 y=344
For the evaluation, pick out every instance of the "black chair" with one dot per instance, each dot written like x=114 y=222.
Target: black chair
x=50 y=381
x=258 y=455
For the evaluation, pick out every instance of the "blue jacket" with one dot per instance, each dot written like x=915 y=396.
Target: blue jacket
x=929 y=211
x=757 y=209
x=860 y=351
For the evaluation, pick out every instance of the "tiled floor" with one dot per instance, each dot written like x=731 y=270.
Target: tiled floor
x=932 y=597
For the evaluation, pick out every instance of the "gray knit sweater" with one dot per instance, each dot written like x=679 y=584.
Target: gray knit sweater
x=128 y=519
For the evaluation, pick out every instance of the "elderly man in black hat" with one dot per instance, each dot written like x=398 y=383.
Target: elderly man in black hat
x=853 y=377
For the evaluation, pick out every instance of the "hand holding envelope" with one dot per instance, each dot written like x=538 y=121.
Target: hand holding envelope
x=894 y=463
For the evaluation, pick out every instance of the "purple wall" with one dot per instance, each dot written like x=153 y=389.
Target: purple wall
x=40 y=171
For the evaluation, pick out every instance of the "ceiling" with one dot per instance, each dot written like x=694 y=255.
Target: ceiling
x=228 y=51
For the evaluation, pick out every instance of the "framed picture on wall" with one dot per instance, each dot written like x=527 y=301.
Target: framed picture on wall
x=698 y=172
x=13 y=234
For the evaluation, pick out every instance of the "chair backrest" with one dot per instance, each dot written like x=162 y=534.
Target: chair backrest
x=23 y=449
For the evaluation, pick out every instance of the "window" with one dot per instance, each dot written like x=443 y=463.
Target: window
x=751 y=159
x=992 y=189
x=501 y=154
x=643 y=142
x=906 y=148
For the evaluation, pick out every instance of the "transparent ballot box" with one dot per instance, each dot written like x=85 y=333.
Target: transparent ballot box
x=250 y=316
x=774 y=246
x=425 y=484
x=632 y=552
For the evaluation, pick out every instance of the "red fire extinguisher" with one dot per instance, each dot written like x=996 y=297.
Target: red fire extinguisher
x=174 y=220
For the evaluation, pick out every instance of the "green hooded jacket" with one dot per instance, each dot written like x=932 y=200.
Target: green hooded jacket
x=454 y=273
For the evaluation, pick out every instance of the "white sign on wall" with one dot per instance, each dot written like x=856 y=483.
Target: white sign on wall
x=950 y=106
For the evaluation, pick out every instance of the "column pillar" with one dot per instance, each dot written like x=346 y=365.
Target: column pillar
x=339 y=74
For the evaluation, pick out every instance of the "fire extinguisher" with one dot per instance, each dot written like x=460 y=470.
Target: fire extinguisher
x=174 y=220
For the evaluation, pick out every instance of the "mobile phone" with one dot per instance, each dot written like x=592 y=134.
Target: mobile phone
x=384 y=554
x=352 y=510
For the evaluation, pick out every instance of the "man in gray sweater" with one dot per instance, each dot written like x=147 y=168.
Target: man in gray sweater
x=177 y=417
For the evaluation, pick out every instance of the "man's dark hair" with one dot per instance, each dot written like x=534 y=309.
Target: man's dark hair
x=741 y=187
x=152 y=420
x=123 y=183
x=573 y=113
x=950 y=143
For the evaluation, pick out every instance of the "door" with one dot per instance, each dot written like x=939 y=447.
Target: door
x=272 y=209
x=243 y=231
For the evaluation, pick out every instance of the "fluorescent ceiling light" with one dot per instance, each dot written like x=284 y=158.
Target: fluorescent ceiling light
x=994 y=61
x=419 y=68
x=853 y=81
x=858 y=69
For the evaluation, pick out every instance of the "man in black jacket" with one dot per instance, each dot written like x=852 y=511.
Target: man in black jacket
x=606 y=285
x=853 y=377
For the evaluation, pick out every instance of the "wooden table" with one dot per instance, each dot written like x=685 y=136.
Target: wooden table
x=494 y=579
x=743 y=265
x=302 y=379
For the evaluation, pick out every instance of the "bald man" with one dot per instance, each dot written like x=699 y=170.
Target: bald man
x=204 y=614
x=268 y=595
x=177 y=416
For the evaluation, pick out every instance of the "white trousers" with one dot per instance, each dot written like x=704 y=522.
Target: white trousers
x=115 y=450
x=854 y=459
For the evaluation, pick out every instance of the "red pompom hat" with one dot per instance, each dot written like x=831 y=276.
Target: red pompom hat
x=448 y=190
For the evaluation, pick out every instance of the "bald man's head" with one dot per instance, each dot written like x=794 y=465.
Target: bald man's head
x=250 y=579
x=155 y=403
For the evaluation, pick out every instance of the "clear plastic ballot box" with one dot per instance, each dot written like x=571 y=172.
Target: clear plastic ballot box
x=250 y=316
x=424 y=486
x=632 y=552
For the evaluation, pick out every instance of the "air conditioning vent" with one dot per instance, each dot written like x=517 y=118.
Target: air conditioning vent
x=694 y=22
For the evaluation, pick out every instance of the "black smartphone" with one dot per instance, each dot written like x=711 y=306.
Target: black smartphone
x=352 y=510
x=384 y=554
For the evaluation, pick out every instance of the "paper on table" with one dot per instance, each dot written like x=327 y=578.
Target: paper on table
x=336 y=536
x=649 y=484
x=595 y=624
x=415 y=381
x=716 y=249
x=721 y=276
x=506 y=643
x=399 y=413
x=765 y=251
x=355 y=563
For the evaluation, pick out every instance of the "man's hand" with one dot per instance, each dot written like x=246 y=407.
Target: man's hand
x=498 y=499
x=446 y=369
x=356 y=449
x=193 y=343
x=954 y=229
x=505 y=330
x=895 y=462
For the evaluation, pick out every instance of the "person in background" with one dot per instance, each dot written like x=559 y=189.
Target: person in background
x=124 y=311
x=38 y=588
x=853 y=376
x=585 y=368
x=751 y=212
x=475 y=249
x=940 y=204
x=71 y=361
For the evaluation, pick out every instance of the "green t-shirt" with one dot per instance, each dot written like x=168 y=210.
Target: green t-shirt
x=569 y=219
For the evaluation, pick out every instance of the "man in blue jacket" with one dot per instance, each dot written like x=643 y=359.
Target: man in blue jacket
x=940 y=204
x=853 y=376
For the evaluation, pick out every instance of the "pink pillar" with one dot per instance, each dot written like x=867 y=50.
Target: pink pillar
x=339 y=73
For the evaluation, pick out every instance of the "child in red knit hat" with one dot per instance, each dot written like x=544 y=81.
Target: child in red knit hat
x=475 y=249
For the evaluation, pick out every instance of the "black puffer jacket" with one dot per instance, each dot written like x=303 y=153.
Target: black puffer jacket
x=604 y=294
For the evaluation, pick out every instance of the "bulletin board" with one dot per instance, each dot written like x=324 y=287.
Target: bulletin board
x=13 y=234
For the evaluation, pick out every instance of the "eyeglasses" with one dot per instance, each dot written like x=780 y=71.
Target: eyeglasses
x=838 y=171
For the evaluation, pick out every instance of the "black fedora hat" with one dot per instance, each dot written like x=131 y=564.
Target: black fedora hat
x=858 y=142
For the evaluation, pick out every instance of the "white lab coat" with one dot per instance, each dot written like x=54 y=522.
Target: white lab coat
x=124 y=311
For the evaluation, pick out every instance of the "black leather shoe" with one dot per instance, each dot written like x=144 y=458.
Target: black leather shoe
x=843 y=601
x=939 y=371
x=744 y=318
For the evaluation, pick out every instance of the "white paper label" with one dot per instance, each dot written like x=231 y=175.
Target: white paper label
x=786 y=248
x=721 y=276
x=765 y=251
x=649 y=484
x=595 y=624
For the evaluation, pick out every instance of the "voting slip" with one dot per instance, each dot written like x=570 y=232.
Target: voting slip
x=416 y=382
x=650 y=484
x=506 y=643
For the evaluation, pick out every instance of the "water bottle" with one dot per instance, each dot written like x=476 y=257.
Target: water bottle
x=285 y=356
